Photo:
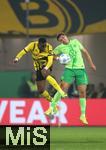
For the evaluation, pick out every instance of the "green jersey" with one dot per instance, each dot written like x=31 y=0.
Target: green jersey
x=73 y=49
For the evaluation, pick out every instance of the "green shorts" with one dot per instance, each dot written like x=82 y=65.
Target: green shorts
x=79 y=75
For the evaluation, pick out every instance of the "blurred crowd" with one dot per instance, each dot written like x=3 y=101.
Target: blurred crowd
x=28 y=88
x=92 y=91
x=96 y=92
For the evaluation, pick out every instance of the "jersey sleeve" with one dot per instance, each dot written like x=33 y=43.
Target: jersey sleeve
x=57 y=50
x=50 y=61
x=50 y=50
x=20 y=54
x=28 y=48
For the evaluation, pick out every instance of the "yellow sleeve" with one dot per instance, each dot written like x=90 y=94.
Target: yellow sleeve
x=50 y=47
x=50 y=50
x=50 y=62
x=20 y=54
x=28 y=48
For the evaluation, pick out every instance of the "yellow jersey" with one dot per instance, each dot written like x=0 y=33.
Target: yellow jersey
x=40 y=59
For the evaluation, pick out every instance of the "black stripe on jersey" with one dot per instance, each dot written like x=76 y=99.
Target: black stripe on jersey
x=25 y=50
x=37 y=65
x=51 y=52
x=33 y=47
x=50 y=55
x=48 y=47
x=33 y=58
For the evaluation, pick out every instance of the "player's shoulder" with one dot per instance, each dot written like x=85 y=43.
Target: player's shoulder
x=75 y=41
x=59 y=46
x=49 y=46
x=32 y=42
x=32 y=45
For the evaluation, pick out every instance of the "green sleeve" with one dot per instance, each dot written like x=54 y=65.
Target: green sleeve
x=57 y=50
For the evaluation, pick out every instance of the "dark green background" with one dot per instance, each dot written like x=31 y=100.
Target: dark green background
x=10 y=82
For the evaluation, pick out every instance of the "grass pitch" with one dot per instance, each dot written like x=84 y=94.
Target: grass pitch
x=78 y=138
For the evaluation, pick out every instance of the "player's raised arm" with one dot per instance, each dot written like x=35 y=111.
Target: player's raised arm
x=24 y=51
x=89 y=59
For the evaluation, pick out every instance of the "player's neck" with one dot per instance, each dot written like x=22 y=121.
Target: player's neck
x=67 y=42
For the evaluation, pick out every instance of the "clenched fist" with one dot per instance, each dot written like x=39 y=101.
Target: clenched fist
x=15 y=60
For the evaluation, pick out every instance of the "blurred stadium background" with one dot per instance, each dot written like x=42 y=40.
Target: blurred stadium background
x=23 y=21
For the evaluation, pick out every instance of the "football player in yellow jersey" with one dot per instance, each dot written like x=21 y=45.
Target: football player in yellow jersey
x=42 y=56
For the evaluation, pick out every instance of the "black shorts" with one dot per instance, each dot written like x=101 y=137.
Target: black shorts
x=39 y=76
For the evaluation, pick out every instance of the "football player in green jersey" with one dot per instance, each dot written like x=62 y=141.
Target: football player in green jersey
x=74 y=70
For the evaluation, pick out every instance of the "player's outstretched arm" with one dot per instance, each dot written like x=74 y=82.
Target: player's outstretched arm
x=89 y=59
x=24 y=51
x=19 y=55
